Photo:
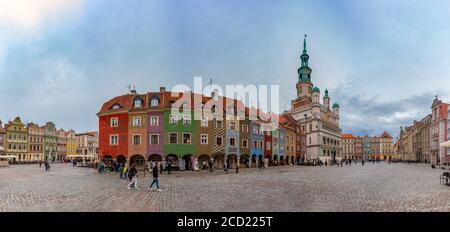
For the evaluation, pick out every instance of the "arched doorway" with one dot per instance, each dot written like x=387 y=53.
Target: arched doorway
x=121 y=159
x=232 y=161
x=172 y=158
x=219 y=160
x=254 y=162
x=187 y=162
x=260 y=160
x=292 y=160
x=154 y=157
x=272 y=160
x=203 y=161
x=275 y=160
x=107 y=159
x=138 y=160
x=282 y=160
x=245 y=161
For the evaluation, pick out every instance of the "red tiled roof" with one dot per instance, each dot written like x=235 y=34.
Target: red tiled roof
x=347 y=136
x=123 y=101
x=386 y=135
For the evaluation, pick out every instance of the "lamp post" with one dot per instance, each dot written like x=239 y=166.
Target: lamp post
x=304 y=131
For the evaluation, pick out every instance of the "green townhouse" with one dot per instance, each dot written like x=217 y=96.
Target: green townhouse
x=180 y=138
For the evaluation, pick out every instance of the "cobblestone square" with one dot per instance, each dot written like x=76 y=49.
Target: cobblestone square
x=373 y=187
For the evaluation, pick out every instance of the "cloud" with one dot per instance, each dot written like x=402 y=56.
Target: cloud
x=362 y=115
x=31 y=14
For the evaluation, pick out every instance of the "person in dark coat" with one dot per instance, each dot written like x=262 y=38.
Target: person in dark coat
x=169 y=167
x=133 y=175
x=155 y=178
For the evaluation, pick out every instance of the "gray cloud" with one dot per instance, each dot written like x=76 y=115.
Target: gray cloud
x=362 y=114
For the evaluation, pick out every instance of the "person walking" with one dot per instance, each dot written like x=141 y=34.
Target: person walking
x=237 y=168
x=133 y=175
x=169 y=167
x=125 y=172
x=121 y=171
x=160 y=168
x=40 y=163
x=362 y=163
x=211 y=166
x=155 y=178
x=225 y=168
x=47 y=166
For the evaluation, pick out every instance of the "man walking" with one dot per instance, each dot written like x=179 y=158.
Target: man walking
x=211 y=169
x=155 y=178
x=169 y=167
x=121 y=171
x=133 y=176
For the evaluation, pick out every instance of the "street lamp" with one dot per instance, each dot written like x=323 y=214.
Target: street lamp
x=304 y=131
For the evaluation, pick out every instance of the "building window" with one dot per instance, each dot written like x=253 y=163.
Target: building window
x=114 y=140
x=245 y=143
x=137 y=103
x=114 y=122
x=154 y=102
x=261 y=144
x=232 y=126
x=245 y=128
x=255 y=144
x=219 y=141
x=255 y=130
x=232 y=142
x=173 y=119
x=173 y=138
x=187 y=120
x=115 y=107
x=136 y=139
x=137 y=121
x=154 y=139
x=186 y=138
x=204 y=139
x=267 y=146
x=204 y=122
x=219 y=124
x=154 y=120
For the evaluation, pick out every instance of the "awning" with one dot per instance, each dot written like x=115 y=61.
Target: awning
x=445 y=144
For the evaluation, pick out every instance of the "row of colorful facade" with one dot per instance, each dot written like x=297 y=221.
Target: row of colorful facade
x=141 y=127
x=368 y=147
x=421 y=141
x=30 y=142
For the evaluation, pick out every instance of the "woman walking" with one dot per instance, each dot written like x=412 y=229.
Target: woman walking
x=155 y=178
x=133 y=176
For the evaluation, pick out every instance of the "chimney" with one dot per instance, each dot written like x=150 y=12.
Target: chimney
x=162 y=89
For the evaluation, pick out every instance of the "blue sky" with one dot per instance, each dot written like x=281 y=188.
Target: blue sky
x=383 y=61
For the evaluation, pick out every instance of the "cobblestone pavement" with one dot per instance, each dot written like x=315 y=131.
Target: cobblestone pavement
x=374 y=187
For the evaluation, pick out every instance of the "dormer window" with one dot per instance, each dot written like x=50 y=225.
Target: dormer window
x=137 y=103
x=154 y=102
x=115 y=106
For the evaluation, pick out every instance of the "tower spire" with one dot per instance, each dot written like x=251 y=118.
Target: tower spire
x=304 y=45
